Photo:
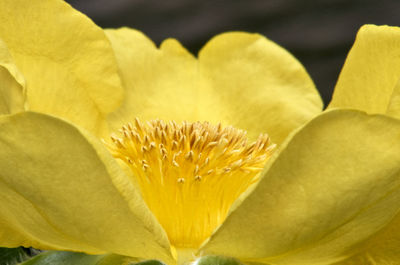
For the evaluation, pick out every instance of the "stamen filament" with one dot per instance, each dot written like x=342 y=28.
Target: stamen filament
x=190 y=173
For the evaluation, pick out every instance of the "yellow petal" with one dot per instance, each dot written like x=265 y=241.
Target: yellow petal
x=382 y=249
x=330 y=187
x=61 y=189
x=67 y=61
x=161 y=83
x=394 y=103
x=371 y=70
x=12 y=84
x=240 y=79
x=261 y=86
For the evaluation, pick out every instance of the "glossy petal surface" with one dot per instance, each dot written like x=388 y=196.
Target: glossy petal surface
x=61 y=189
x=12 y=83
x=66 y=59
x=332 y=186
x=239 y=79
x=371 y=71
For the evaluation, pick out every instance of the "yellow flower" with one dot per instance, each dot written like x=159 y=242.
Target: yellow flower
x=328 y=195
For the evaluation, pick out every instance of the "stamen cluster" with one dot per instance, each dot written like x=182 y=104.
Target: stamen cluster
x=190 y=173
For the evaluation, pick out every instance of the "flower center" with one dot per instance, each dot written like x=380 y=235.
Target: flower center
x=190 y=173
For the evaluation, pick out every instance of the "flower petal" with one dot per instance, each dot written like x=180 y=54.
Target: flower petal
x=12 y=83
x=161 y=83
x=382 y=249
x=371 y=70
x=240 y=79
x=331 y=186
x=262 y=87
x=61 y=189
x=67 y=61
x=394 y=103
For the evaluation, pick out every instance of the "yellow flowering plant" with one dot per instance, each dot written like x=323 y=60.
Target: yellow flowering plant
x=126 y=152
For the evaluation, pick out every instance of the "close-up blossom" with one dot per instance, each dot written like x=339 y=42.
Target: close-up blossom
x=114 y=150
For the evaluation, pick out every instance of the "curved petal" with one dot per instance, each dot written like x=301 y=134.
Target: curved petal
x=371 y=70
x=334 y=184
x=240 y=79
x=382 y=249
x=260 y=85
x=161 y=83
x=394 y=103
x=61 y=189
x=67 y=61
x=12 y=83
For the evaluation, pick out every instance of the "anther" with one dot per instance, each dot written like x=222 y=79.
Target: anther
x=138 y=124
x=164 y=137
x=152 y=145
x=130 y=126
x=181 y=180
x=137 y=138
x=146 y=139
x=174 y=145
x=118 y=142
x=145 y=167
x=113 y=138
x=158 y=133
x=189 y=155
x=196 y=170
x=236 y=164
x=227 y=169
x=212 y=144
x=176 y=155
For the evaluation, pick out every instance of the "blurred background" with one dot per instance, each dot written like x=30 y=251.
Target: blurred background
x=318 y=32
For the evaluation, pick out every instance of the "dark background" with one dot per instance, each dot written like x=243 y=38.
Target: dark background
x=318 y=32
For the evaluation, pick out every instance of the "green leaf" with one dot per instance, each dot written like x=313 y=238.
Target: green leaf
x=11 y=256
x=218 y=260
x=73 y=258
x=150 y=262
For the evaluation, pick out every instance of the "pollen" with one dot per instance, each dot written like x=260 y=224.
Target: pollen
x=190 y=173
